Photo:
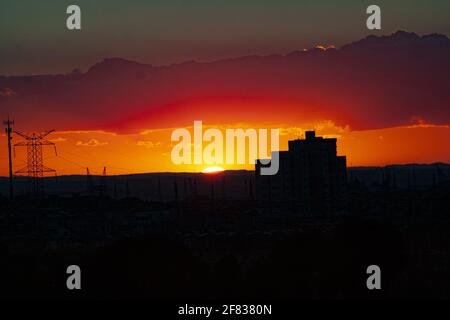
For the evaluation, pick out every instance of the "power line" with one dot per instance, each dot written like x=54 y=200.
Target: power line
x=101 y=163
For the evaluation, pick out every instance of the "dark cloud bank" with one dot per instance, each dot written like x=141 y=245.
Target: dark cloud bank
x=375 y=82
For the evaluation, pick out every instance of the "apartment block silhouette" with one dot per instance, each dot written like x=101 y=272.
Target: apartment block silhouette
x=311 y=179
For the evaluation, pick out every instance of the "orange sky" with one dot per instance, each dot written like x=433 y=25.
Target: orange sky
x=149 y=150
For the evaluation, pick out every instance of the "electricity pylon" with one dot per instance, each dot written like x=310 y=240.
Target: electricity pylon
x=35 y=168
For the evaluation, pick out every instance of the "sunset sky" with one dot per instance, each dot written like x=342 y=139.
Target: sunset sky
x=116 y=113
x=149 y=150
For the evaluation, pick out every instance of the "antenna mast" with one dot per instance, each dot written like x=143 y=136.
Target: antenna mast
x=8 y=123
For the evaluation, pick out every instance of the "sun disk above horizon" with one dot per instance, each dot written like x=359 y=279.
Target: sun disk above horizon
x=213 y=169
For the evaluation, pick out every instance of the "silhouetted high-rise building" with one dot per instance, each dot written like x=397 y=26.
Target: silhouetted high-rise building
x=310 y=180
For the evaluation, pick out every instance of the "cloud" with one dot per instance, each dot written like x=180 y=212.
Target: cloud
x=59 y=139
x=7 y=92
x=386 y=86
x=91 y=143
x=148 y=144
x=87 y=132
x=326 y=128
x=157 y=130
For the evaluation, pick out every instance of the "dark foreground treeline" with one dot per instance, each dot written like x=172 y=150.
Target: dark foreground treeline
x=328 y=262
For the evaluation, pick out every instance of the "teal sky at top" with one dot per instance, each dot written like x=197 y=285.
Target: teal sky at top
x=34 y=38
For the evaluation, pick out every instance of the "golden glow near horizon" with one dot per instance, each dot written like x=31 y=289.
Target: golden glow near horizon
x=213 y=169
x=149 y=150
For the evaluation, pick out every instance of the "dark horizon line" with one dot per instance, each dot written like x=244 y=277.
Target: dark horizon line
x=236 y=170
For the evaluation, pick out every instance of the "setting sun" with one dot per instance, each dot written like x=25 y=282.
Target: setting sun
x=213 y=170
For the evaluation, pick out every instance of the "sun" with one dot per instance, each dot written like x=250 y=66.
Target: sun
x=213 y=170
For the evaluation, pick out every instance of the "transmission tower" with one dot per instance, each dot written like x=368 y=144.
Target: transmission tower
x=35 y=168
